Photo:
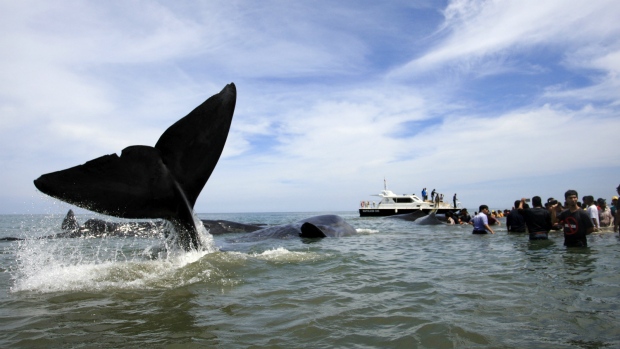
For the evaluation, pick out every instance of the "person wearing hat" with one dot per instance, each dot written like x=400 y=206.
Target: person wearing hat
x=614 y=201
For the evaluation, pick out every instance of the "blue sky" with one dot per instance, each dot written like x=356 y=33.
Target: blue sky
x=493 y=100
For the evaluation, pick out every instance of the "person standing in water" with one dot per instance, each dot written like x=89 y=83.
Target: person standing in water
x=537 y=219
x=576 y=222
x=481 y=221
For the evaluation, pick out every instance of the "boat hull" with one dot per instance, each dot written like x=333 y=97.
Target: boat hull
x=382 y=212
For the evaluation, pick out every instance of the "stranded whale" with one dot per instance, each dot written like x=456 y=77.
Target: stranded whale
x=311 y=228
x=430 y=219
x=100 y=228
x=163 y=181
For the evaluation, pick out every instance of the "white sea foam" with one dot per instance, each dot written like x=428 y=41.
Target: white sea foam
x=55 y=265
x=366 y=231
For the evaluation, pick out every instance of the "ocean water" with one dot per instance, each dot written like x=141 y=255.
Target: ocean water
x=395 y=285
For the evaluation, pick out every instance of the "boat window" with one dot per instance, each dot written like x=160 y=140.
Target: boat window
x=403 y=200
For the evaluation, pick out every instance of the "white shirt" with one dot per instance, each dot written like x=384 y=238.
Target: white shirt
x=593 y=213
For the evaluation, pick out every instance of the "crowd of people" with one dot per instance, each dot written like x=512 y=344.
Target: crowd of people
x=437 y=197
x=576 y=218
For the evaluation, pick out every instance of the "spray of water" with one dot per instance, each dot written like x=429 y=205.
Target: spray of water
x=92 y=264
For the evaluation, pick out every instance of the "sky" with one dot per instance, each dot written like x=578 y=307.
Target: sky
x=492 y=100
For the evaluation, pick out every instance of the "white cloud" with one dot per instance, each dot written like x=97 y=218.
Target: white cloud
x=477 y=31
x=317 y=126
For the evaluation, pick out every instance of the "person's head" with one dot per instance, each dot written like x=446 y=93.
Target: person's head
x=571 y=197
x=536 y=201
x=482 y=208
x=517 y=203
x=601 y=202
x=618 y=189
x=614 y=199
x=588 y=200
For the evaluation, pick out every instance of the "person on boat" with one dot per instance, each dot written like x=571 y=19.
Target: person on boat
x=424 y=196
x=515 y=222
x=575 y=221
x=433 y=195
x=537 y=219
x=481 y=221
x=454 y=200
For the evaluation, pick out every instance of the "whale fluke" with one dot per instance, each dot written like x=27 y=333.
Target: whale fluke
x=153 y=182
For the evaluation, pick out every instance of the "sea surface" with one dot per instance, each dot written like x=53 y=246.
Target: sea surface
x=395 y=285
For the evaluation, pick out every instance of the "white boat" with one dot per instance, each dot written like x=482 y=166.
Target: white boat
x=393 y=204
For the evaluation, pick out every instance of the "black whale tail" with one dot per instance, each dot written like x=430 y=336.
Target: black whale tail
x=153 y=182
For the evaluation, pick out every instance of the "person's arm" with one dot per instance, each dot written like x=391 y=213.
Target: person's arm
x=554 y=214
x=489 y=228
x=486 y=224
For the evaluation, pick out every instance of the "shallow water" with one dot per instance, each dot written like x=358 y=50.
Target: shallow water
x=395 y=285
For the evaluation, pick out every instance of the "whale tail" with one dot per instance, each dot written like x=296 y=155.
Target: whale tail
x=163 y=181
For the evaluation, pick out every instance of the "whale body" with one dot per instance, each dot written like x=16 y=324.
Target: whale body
x=324 y=226
x=429 y=219
x=160 y=182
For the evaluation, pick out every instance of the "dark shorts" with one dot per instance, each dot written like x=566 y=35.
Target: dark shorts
x=479 y=232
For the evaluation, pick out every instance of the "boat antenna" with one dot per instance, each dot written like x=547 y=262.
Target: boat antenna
x=384 y=183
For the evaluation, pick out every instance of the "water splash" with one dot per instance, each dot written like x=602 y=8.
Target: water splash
x=94 y=264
